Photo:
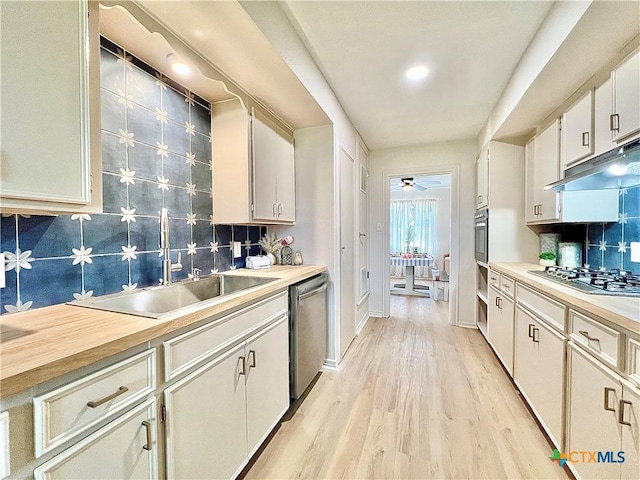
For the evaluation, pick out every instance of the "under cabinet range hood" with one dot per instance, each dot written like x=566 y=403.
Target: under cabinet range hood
x=618 y=168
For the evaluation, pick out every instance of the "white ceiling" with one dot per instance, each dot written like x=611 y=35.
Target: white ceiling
x=364 y=49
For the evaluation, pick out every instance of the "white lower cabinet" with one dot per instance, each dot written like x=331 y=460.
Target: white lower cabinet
x=603 y=416
x=630 y=424
x=539 y=370
x=500 y=327
x=206 y=420
x=267 y=381
x=124 y=448
x=219 y=415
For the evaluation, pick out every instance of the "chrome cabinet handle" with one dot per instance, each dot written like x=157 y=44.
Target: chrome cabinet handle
x=147 y=427
x=279 y=209
x=274 y=210
x=97 y=403
x=614 y=122
x=499 y=303
x=621 y=412
x=243 y=360
x=531 y=325
x=585 y=139
x=585 y=334
x=533 y=337
x=252 y=359
x=607 y=391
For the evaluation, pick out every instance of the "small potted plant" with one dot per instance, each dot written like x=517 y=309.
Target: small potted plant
x=547 y=259
x=271 y=246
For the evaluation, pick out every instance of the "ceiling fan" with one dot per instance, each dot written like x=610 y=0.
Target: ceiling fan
x=407 y=184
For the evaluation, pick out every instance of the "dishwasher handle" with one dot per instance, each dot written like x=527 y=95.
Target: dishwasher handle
x=320 y=289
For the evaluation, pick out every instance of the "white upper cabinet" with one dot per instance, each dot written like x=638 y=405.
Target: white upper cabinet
x=273 y=172
x=482 y=179
x=577 y=130
x=625 y=115
x=50 y=142
x=602 y=121
x=253 y=167
x=545 y=170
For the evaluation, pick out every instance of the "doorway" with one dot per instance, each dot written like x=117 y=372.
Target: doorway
x=421 y=238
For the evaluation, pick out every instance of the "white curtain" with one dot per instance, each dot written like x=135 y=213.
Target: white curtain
x=413 y=226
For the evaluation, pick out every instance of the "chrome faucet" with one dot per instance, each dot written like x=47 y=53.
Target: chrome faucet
x=167 y=266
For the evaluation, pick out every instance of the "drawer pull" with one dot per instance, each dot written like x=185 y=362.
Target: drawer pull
x=585 y=334
x=607 y=391
x=97 y=403
x=533 y=337
x=252 y=358
x=147 y=427
x=531 y=325
x=621 y=412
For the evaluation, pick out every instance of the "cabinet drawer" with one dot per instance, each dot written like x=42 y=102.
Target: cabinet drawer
x=597 y=338
x=633 y=352
x=191 y=348
x=66 y=412
x=507 y=286
x=494 y=279
x=547 y=309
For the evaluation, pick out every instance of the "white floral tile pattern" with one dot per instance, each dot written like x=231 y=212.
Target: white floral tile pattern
x=608 y=244
x=156 y=153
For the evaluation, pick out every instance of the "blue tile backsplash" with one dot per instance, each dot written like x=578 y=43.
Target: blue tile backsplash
x=156 y=152
x=607 y=245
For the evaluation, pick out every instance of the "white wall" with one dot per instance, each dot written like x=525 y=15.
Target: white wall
x=418 y=160
x=443 y=216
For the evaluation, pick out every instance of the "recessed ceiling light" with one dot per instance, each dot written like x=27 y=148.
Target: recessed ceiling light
x=417 y=73
x=177 y=65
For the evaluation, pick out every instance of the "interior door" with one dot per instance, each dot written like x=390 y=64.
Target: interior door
x=347 y=297
x=363 y=225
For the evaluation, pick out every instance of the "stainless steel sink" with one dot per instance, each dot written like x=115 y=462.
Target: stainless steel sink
x=156 y=302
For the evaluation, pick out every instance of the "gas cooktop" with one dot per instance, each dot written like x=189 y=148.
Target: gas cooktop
x=597 y=282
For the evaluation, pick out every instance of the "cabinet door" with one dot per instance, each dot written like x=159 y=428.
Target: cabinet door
x=47 y=146
x=577 y=130
x=530 y=207
x=602 y=112
x=546 y=166
x=267 y=381
x=265 y=170
x=592 y=411
x=482 y=179
x=286 y=180
x=631 y=433
x=626 y=97
x=206 y=420
x=539 y=368
x=500 y=329
x=125 y=448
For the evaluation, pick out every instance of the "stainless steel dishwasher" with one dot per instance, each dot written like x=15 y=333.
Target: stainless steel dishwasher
x=308 y=331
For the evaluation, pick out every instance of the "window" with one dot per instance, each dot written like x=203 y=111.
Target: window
x=413 y=226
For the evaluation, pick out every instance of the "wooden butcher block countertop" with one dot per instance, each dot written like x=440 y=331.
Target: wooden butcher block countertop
x=42 y=344
x=618 y=310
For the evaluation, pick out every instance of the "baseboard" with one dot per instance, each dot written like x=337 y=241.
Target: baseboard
x=468 y=325
x=362 y=323
x=375 y=313
x=330 y=365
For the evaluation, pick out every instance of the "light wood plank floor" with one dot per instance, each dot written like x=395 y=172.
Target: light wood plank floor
x=414 y=398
